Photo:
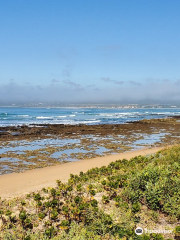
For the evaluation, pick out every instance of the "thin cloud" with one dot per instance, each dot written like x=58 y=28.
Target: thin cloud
x=66 y=53
x=96 y=89
x=38 y=87
x=54 y=81
x=165 y=80
x=73 y=92
x=91 y=85
x=152 y=80
x=177 y=82
x=107 y=79
x=134 y=83
x=67 y=71
x=73 y=84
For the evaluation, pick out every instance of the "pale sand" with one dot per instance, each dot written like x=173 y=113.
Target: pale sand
x=18 y=184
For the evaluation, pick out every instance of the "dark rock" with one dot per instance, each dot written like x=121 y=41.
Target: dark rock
x=4 y=133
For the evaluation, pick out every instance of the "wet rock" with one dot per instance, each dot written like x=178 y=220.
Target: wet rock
x=4 y=133
x=15 y=133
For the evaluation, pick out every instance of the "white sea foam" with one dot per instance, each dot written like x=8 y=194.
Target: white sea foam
x=42 y=117
x=117 y=114
x=79 y=116
x=87 y=121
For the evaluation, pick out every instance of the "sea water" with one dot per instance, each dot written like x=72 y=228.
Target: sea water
x=13 y=116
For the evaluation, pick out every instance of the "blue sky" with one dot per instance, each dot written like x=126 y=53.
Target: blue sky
x=90 y=50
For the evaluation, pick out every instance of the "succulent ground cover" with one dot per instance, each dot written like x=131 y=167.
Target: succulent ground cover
x=103 y=203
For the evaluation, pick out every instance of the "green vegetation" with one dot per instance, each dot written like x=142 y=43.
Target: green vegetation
x=103 y=203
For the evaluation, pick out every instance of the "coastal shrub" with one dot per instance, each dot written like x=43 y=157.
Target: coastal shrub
x=136 y=207
x=177 y=231
x=50 y=232
x=155 y=236
x=41 y=215
x=105 y=199
x=22 y=216
x=64 y=224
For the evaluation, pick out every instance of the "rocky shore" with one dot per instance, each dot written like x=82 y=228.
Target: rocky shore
x=44 y=130
x=36 y=146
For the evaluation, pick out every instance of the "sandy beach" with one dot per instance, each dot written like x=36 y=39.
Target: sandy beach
x=17 y=184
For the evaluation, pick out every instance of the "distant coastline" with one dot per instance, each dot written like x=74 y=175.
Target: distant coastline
x=89 y=105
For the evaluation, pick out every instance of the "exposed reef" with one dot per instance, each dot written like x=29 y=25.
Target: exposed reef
x=34 y=146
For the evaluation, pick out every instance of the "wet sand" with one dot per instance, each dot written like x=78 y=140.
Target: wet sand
x=18 y=184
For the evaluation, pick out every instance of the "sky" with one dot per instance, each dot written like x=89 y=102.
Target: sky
x=90 y=51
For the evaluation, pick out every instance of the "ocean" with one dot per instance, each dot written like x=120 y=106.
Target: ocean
x=13 y=116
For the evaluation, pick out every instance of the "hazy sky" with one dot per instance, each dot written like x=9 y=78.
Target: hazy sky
x=89 y=50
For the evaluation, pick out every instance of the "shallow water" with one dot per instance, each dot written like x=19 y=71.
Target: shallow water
x=148 y=140
x=20 y=146
x=54 y=150
x=99 y=150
